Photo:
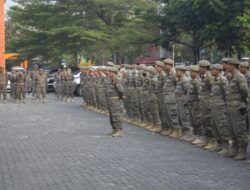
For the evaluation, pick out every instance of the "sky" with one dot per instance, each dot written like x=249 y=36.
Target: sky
x=8 y=4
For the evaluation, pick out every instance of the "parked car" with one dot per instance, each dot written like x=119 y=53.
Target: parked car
x=77 y=86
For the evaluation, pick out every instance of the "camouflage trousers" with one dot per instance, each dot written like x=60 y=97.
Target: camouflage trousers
x=152 y=110
x=162 y=110
x=238 y=129
x=34 y=88
x=134 y=105
x=13 y=91
x=183 y=113
x=171 y=117
x=143 y=102
x=40 y=90
x=59 y=91
x=115 y=112
x=3 y=90
x=20 y=91
x=93 y=100
x=195 y=117
x=220 y=125
x=205 y=113
x=69 y=91
x=102 y=102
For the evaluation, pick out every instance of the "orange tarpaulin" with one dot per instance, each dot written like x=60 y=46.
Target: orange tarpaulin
x=2 y=34
x=11 y=56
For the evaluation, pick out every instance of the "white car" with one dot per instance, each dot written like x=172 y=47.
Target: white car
x=8 y=87
x=77 y=80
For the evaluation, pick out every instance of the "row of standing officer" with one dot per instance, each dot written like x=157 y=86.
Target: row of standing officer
x=196 y=107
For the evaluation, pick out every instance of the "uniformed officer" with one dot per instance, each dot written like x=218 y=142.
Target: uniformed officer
x=219 y=120
x=12 y=79
x=3 y=84
x=152 y=110
x=160 y=67
x=69 y=79
x=193 y=102
x=244 y=69
x=236 y=108
x=182 y=85
x=40 y=86
x=28 y=83
x=114 y=94
x=169 y=86
x=20 y=82
x=83 y=76
x=226 y=74
x=206 y=136
x=58 y=80
x=34 y=73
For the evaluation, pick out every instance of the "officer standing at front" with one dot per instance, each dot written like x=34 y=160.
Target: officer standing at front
x=114 y=94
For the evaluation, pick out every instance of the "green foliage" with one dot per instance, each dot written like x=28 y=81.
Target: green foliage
x=52 y=29
x=209 y=24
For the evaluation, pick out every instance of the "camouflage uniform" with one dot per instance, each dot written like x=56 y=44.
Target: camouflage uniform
x=134 y=99
x=171 y=116
x=20 y=82
x=152 y=110
x=40 y=86
x=12 y=79
x=3 y=85
x=114 y=94
x=204 y=106
x=59 y=93
x=160 y=97
x=101 y=93
x=69 y=79
x=219 y=119
x=34 y=73
x=181 y=90
x=139 y=89
x=193 y=105
x=236 y=108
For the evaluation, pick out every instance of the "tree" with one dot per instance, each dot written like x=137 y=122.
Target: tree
x=205 y=24
x=53 y=28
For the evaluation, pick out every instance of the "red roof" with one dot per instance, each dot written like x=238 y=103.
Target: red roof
x=146 y=60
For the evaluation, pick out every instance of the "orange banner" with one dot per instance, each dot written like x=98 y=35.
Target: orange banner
x=2 y=34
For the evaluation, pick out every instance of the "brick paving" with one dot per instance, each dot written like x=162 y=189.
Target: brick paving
x=60 y=146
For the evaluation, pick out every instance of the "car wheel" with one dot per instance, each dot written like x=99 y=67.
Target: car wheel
x=79 y=91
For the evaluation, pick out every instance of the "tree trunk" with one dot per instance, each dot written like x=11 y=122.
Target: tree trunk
x=196 y=54
x=75 y=58
x=118 y=56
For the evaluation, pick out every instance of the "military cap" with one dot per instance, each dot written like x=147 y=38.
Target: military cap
x=112 y=69
x=181 y=67
x=233 y=61
x=141 y=66
x=194 y=68
x=187 y=68
x=110 y=64
x=244 y=64
x=128 y=66
x=160 y=64
x=225 y=60
x=151 y=69
x=118 y=66
x=204 y=63
x=168 y=61
x=216 y=66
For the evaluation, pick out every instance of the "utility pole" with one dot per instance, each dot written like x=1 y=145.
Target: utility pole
x=2 y=34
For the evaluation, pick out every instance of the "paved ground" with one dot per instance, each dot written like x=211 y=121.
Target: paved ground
x=61 y=146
